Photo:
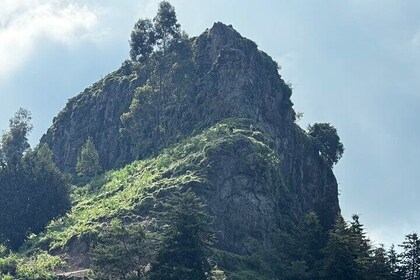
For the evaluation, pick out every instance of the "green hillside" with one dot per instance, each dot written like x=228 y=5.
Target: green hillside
x=135 y=190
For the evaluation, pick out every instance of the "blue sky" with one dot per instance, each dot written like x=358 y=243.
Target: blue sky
x=353 y=63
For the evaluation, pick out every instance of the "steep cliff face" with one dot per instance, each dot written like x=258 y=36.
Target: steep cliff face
x=252 y=180
x=95 y=112
x=238 y=80
x=244 y=82
x=233 y=79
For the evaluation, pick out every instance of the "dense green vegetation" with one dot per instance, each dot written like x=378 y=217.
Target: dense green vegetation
x=36 y=267
x=125 y=193
x=158 y=109
x=304 y=251
x=186 y=241
x=121 y=252
x=136 y=187
x=33 y=191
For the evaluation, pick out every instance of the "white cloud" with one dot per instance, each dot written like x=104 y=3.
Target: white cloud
x=25 y=23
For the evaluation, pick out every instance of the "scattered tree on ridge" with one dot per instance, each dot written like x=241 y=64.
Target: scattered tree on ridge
x=146 y=36
x=151 y=45
x=167 y=28
x=142 y=40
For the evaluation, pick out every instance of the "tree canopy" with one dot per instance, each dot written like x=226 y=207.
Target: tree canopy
x=410 y=257
x=88 y=164
x=186 y=241
x=142 y=41
x=32 y=189
x=147 y=35
x=327 y=141
x=166 y=25
x=120 y=252
x=164 y=52
x=15 y=142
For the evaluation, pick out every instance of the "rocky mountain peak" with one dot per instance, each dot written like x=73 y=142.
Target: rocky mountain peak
x=229 y=78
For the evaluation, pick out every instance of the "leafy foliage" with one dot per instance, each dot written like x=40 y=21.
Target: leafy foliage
x=120 y=252
x=395 y=264
x=40 y=266
x=298 y=252
x=186 y=240
x=146 y=36
x=32 y=189
x=327 y=141
x=164 y=47
x=380 y=267
x=15 y=142
x=139 y=185
x=142 y=40
x=343 y=253
x=167 y=27
x=88 y=164
x=160 y=112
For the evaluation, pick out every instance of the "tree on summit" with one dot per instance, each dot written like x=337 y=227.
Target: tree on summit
x=155 y=43
x=146 y=36
x=167 y=28
x=142 y=41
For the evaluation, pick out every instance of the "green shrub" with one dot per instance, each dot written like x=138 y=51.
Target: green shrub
x=40 y=266
x=8 y=264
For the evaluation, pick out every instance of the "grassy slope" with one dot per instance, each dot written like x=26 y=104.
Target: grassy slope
x=135 y=189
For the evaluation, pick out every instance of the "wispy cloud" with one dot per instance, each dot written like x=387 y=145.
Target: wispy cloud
x=24 y=24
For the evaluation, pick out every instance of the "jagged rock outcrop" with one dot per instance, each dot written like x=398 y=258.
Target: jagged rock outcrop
x=234 y=80
x=95 y=112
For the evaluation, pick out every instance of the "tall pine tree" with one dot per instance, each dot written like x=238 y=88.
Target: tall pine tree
x=379 y=267
x=88 y=164
x=341 y=251
x=394 y=264
x=410 y=257
x=362 y=246
x=120 y=252
x=187 y=237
